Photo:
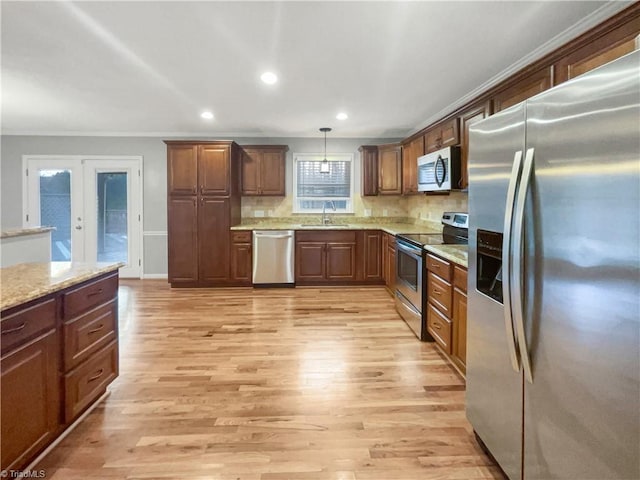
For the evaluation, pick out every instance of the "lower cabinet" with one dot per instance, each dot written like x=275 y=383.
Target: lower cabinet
x=30 y=399
x=325 y=257
x=446 y=307
x=241 y=258
x=59 y=354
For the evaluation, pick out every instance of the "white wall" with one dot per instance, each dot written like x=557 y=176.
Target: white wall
x=153 y=151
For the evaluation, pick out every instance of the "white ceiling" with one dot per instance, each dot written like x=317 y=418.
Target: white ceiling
x=151 y=68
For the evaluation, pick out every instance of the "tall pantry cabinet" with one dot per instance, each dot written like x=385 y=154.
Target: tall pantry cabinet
x=203 y=201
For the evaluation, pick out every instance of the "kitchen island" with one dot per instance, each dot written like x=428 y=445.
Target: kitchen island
x=59 y=351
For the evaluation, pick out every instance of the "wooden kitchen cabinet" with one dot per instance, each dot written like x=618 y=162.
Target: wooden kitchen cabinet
x=533 y=84
x=263 y=170
x=390 y=169
x=410 y=153
x=30 y=409
x=446 y=311
x=371 y=247
x=369 y=166
x=241 y=258
x=441 y=135
x=389 y=261
x=325 y=257
x=468 y=118
x=198 y=223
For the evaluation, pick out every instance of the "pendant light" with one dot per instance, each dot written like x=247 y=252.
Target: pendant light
x=324 y=166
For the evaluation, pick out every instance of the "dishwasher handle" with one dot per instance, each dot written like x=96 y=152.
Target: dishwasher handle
x=271 y=235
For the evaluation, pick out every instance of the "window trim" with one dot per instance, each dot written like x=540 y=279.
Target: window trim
x=332 y=157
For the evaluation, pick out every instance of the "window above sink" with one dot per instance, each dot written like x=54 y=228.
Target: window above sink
x=312 y=188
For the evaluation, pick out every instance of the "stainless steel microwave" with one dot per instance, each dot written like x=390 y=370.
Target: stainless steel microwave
x=440 y=170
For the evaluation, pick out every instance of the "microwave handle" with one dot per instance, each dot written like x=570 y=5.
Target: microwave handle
x=444 y=171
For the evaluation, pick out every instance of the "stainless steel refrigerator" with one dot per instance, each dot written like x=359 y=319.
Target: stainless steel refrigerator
x=553 y=356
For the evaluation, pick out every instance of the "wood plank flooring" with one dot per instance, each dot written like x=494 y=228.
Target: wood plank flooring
x=272 y=384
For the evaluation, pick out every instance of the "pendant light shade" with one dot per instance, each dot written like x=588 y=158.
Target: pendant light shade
x=324 y=166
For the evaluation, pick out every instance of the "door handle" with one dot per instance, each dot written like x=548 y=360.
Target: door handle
x=506 y=261
x=78 y=227
x=516 y=272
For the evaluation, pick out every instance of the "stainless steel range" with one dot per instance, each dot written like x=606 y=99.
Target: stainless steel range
x=409 y=267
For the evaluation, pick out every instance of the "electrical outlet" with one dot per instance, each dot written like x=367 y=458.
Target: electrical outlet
x=385 y=213
x=258 y=213
x=270 y=213
x=367 y=212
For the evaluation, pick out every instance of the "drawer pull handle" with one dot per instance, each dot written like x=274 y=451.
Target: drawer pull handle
x=436 y=326
x=16 y=329
x=96 y=376
x=97 y=292
x=435 y=266
x=97 y=329
x=436 y=291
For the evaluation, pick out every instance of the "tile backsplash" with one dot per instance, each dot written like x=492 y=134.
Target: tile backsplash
x=418 y=207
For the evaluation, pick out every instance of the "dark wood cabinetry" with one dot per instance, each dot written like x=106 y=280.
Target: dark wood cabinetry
x=468 y=118
x=59 y=354
x=390 y=169
x=459 y=336
x=371 y=248
x=263 y=170
x=30 y=398
x=241 y=258
x=533 y=84
x=389 y=262
x=410 y=153
x=442 y=135
x=325 y=257
x=446 y=307
x=198 y=223
x=369 y=162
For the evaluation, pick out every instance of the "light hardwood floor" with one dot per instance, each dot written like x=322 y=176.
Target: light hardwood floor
x=272 y=384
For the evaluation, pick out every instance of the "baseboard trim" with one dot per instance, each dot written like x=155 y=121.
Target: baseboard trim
x=155 y=276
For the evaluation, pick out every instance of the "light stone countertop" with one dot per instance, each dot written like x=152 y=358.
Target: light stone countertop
x=391 y=226
x=455 y=253
x=21 y=232
x=24 y=282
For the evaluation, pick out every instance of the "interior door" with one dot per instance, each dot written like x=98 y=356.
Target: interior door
x=54 y=197
x=113 y=213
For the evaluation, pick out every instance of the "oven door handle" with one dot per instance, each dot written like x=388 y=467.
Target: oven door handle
x=412 y=251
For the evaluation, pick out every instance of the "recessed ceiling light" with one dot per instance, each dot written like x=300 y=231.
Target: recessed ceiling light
x=207 y=115
x=342 y=116
x=269 y=78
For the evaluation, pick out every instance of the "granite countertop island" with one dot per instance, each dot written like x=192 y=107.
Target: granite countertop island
x=27 y=281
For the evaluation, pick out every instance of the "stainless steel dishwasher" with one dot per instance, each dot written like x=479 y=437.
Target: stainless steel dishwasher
x=273 y=257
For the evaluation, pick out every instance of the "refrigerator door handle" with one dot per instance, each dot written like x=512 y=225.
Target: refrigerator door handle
x=506 y=262
x=516 y=272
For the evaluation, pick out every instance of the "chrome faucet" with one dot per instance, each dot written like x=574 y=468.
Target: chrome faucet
x=326 y=220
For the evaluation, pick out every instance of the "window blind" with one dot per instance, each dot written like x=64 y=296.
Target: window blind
x=313 y=183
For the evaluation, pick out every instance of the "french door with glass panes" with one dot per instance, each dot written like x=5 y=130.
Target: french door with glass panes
x=93 y=203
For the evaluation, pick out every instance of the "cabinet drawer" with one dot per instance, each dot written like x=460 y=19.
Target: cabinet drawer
x=87 y=333
x=460 y=278
x=439 y=293
x=241 y=237
x=87 y=382
x=440 y=267
x=24 y=324
x=90 y=295
x=439 y=327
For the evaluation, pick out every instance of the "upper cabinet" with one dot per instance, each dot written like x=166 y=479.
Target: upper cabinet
x=369 y=162
x=442 y=135
x=263 y=170
x=536 y=82
x=410 y=153
x=605 y=49
x=468 y=118
x=390 y=169
x=203 y=169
